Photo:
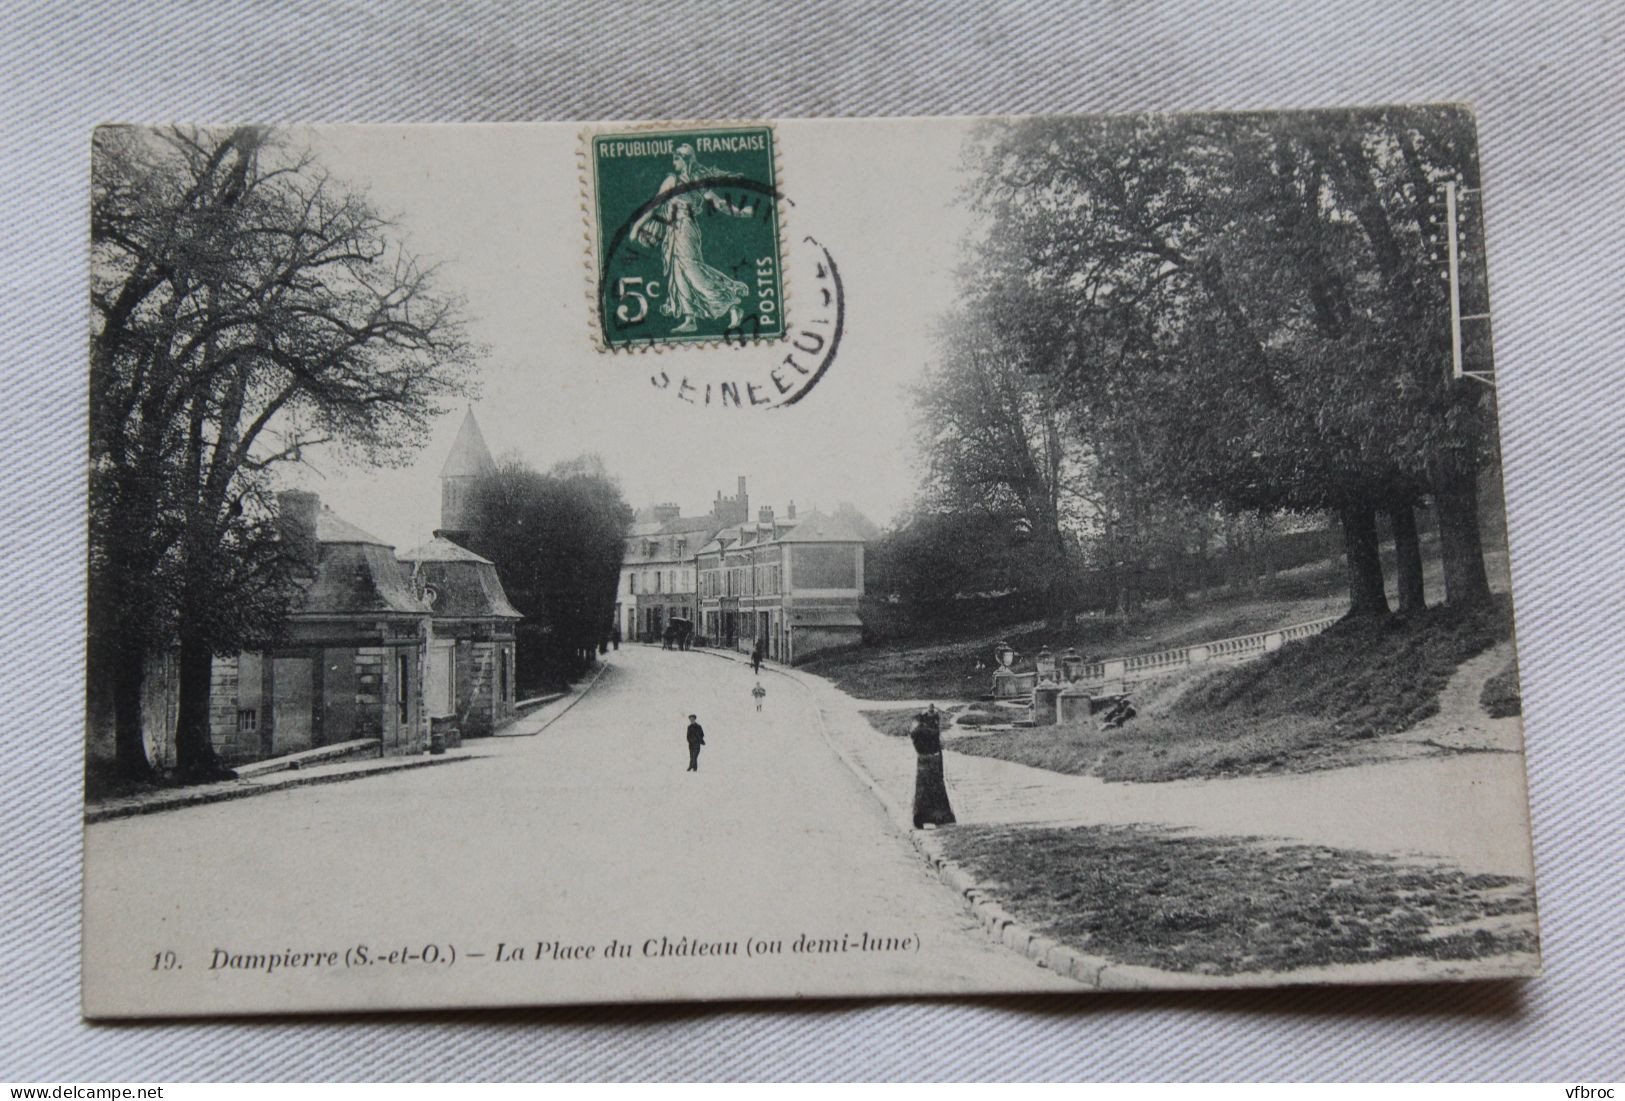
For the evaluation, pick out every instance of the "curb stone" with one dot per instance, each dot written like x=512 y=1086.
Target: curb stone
x=251 y=788
x=579 y=693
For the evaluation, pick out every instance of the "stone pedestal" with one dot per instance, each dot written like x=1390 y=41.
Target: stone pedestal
x=445 y=733
x=1115 y=674
x=1012 y=686
x=1045 y=698
x=1073 y=706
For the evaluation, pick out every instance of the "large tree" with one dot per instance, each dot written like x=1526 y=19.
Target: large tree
x=996 y=445
x=245 y=308
x=557 y=539
x=1246 y=304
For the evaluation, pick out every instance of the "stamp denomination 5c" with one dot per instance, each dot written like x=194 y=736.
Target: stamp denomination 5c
x=685 y=236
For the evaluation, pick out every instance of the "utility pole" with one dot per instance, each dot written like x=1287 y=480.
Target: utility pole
x=1453 y=248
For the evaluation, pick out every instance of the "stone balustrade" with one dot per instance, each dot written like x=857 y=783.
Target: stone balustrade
x=1052 y=702
x=1113 y=675
x=1139 y=667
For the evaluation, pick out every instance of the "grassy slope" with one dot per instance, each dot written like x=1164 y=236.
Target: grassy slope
x=945 y=668
x=1297 y=709
x=1501 y=696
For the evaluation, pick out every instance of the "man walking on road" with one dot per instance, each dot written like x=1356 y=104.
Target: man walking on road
x=696 y=738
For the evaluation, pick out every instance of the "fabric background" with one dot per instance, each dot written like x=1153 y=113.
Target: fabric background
x=1547 y=82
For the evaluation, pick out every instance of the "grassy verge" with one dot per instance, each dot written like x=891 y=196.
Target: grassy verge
x=1227 y=905
x=1501 y=697
x=895 y=723
x=1309 y=705
x=102 y=781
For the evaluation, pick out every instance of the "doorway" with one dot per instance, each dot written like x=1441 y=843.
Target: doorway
x=293 y=707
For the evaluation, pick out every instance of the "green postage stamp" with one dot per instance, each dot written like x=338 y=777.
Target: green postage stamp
x=686 y=241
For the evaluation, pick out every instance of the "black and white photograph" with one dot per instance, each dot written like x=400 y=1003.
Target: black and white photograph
x=1059 y=554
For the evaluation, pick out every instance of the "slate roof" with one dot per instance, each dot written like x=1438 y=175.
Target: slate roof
x=695 y=530
x=356 y=574
x=815 y=527
x=465 y=586
x=441 y=549
x=469 y=456
x=333 y=528
x=686 y=524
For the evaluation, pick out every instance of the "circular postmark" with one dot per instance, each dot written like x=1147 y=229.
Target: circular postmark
x=656 y=267
x=698 y=262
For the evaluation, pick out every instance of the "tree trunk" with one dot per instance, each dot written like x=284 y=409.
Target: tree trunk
x=1407 y=559
x=1455 y=493
x=195 y=759
x=129 y=740
x=1176 y=588
x=1366 y=594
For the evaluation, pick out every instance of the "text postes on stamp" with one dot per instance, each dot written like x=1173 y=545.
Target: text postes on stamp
x=686 y=236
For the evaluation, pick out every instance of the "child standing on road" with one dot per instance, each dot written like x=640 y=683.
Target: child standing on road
x=760 y=693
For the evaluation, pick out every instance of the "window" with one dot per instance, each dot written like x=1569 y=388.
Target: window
x=403 y=695
x=632 y=584
x=507 y=666
x=248 y=719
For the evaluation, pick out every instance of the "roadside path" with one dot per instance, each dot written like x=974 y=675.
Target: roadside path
x=1469 y=808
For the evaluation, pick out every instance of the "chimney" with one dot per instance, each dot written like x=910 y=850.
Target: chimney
x=765 y=514
x=790 y=513
x=667 y=512
x=297 y=510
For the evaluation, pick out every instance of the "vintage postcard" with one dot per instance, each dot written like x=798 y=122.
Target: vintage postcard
x=727 y=559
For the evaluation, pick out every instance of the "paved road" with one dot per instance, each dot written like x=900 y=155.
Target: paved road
x=588 y=833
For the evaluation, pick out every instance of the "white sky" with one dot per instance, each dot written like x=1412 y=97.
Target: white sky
x=501 y=208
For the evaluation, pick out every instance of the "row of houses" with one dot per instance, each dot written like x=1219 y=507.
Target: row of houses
x=789 y=584
x=380 y=647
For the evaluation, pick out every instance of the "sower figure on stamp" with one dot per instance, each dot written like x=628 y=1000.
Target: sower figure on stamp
x=930 y=791
x=696 y=738
x=693 y=287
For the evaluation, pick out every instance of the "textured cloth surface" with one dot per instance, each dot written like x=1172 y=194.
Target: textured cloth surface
x=1547 y=83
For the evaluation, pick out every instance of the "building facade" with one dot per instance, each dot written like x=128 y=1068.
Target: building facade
x=468 y=663
x=659 y=580
x=791 y=587
x=469 y=671
x=351 y=667
x=376 y=647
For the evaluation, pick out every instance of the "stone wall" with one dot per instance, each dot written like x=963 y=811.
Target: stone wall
x=476 y=688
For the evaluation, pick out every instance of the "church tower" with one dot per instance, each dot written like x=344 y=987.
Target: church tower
x=468 y=461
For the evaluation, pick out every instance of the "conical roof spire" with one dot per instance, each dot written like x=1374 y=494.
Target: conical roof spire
x=469 y=456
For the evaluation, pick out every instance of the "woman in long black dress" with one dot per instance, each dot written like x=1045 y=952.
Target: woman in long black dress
x=930 y=792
